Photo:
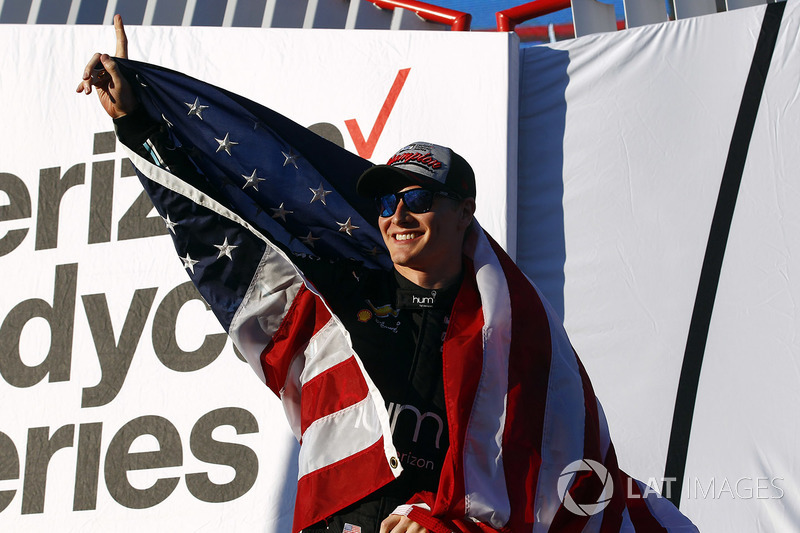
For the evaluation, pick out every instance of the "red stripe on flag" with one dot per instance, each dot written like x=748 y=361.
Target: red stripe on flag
x=304 y=318
x=612 y=517
x=587 y=487
x=329 y=489
x=528 y=375
x=334 y=389
x=424 y=518
x=462 y=357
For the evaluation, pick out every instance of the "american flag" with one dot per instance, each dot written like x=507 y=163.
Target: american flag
x=521 y=409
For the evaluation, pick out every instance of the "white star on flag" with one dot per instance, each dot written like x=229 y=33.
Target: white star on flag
x=196 y=108
x=347 y=227
x=319 y=194
x=309 y=239
x=225 y=144
x=170 y=224
x=251 y=180
x=225 y=249
x=280 y=212
x=291 y=158
x=189 y=263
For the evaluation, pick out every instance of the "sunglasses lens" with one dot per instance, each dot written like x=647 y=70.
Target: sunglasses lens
x=387 y=205
x=418 y=200
x=415 y=200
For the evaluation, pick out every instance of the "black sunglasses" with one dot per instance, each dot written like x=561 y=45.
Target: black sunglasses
x=416 y=200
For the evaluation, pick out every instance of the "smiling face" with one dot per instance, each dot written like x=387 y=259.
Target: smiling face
x=426 y=247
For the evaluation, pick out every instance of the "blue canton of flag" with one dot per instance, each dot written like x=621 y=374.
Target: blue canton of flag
x=285 y=183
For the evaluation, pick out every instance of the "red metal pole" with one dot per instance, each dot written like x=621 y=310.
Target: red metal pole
x=509 y=18
x=457 y=20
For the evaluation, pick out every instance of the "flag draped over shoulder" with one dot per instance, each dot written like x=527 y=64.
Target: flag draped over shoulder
x=529 y=445
x=256 y=187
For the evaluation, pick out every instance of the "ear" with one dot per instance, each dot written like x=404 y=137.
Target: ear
x=466 y=212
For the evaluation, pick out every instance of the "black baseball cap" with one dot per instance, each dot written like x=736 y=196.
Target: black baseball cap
x=425 y=164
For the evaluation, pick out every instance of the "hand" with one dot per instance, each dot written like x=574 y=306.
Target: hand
x=114 y=91
x=401 y=524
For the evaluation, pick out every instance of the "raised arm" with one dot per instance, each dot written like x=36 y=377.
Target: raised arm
x=113 y=89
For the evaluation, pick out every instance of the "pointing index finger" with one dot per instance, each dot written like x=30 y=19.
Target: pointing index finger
x=122 y=39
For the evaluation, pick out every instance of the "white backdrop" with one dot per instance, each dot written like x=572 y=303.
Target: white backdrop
x=90 y=286
x=623 y=142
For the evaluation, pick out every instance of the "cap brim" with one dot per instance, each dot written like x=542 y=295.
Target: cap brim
x=383 y=179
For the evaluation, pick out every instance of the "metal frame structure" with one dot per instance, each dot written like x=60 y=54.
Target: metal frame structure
x=349 y=14
x=589 y=16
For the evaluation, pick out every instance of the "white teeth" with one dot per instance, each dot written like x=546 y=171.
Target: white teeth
x=405 y=236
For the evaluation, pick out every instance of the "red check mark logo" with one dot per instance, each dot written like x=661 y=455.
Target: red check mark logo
x=365 y=148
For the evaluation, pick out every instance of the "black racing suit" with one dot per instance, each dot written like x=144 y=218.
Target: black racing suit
x=397 y=329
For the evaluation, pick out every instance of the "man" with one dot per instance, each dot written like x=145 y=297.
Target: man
x=398 y=319
x=482 y=403
x=423 y=229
